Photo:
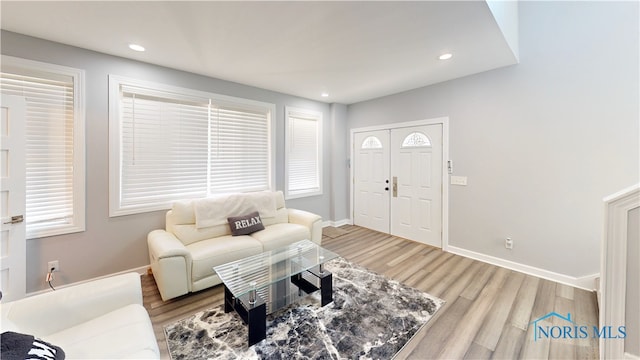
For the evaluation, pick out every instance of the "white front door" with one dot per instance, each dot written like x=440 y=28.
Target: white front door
x=371 y=180
x=12 y=193
x=416 y=170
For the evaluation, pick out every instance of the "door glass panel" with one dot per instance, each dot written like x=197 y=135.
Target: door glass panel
x=371 y=142
x=416 y=139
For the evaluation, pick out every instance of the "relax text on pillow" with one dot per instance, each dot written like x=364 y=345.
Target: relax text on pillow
x=245 y=223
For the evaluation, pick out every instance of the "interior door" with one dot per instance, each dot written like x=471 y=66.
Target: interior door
x=12 y=194
x=416 y=171
x=371 y=180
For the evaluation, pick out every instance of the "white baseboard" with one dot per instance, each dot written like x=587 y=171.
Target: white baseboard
x=336 y=223
x=141 y=270
x=586 y=282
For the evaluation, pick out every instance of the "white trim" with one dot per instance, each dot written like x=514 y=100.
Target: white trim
x=79 y=136
x=585 y=282
x=622 y=194
x=115 y=136
x=142 y=270
x=438 y=120
x=613 y=264
x=336 y=223
x=444 y=121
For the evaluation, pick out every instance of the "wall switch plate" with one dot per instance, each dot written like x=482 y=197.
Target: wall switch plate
x=459 y=180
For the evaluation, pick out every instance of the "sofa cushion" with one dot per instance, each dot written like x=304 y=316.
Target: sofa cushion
x=215 y=210
x=8 y=325
x=120 y=334
x=282 y=216
x=208 y=253
x=181 y=220
x=279 y=235
x=183 y=212
x=189 y=234
x=245 y=225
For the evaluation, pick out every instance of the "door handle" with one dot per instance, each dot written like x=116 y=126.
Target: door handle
x=395 y=186
x=16 y=219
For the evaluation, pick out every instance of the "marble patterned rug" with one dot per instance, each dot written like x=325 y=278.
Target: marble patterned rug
x=371 y=317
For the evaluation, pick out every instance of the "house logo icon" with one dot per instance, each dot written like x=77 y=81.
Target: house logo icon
x=548 y=331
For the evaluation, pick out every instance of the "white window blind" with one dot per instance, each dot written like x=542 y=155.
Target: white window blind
x=164 y=147
x=303 y=153
x=239 y=150
x=54 y=150
x=176 y=144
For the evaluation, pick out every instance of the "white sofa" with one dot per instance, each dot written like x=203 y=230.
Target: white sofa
x=101 y=319
x=182 y=255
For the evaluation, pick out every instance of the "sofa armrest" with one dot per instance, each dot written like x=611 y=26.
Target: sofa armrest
x=54 y=311
x=310 y=220
x=163 y=244
x=170 y=263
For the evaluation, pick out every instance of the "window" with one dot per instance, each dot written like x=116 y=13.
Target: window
x=55 y=173
x=371 y=142
x=416 y=139
x=303 y=153
x=169 y=143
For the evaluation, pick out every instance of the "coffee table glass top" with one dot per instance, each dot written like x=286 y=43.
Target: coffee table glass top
x=261 y=270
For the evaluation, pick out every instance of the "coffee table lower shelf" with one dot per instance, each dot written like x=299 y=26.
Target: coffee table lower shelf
x=255 y=315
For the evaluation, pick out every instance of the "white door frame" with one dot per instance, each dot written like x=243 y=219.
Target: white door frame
x=445 y=162
x=13 y=261
x=613 y=266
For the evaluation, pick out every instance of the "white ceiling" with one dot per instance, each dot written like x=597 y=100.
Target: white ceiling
x=354 y=51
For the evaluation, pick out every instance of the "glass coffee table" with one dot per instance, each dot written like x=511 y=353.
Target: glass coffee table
x=261 y=284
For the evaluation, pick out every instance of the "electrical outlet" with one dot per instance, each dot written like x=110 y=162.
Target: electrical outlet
x=508 y=243
x=55 y=265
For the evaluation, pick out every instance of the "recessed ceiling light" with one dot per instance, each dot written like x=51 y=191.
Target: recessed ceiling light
x=136 y=47
x=325 y=95
x=446 y=56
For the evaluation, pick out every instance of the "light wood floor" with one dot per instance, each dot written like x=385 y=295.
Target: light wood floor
x=487 y=308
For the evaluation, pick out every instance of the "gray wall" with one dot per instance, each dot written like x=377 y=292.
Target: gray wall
x=541 y=142
x=632 y=311
x=116 y=244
